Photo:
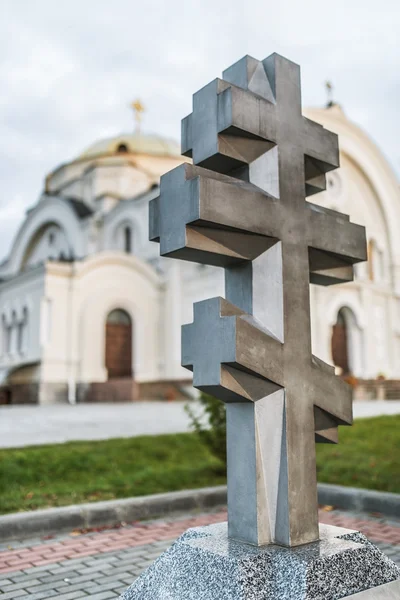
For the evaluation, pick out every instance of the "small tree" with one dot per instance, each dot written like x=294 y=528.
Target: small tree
x=210 y=425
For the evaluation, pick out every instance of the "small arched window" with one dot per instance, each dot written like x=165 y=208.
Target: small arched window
x=376 y=262
x=20 y=336
x=7 y=331
x=119 y=317
x=4 y=348
x=371 y=260
x=127 y=239
x=22 y=332
x=12 y=335
x=122 y=148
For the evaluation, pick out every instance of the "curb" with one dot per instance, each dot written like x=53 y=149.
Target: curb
x=83 y=516
x=359 y=500
x=111 y=512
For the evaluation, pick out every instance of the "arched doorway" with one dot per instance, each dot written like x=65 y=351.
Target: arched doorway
x=339 y=343
x=118 y=344
x=347 y=343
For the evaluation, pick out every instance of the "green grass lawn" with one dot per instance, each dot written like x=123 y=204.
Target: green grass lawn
x=367 y=456
x=41 y=476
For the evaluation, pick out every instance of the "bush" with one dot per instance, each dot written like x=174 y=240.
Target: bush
x=209 y=423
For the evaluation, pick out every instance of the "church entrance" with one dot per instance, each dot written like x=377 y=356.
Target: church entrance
x=119 y=344
x=339 y=344
x=347 y=343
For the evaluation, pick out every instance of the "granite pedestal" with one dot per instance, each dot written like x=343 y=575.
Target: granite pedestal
x=203 y=564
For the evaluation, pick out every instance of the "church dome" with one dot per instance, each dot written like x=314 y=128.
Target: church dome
x=135 y=143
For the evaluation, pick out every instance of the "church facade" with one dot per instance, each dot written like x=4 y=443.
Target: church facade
x=90 y=312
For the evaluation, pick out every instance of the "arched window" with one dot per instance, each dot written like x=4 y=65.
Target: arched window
x=20 y=336
x=371 y=260
x=376 y=262
x=122 y=148
x=119 y=317
x=13 y=333
x=127 y=239
x=380 y=265
x=22 y=332
x=4 y=348
x=7 y=336
x=118 y=351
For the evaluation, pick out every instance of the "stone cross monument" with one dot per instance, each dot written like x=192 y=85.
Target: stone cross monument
x=243 y=207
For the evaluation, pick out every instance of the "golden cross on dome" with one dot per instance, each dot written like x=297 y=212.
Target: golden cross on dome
x=138 y=109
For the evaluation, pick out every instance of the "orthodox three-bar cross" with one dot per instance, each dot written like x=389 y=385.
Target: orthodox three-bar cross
x=242 y=206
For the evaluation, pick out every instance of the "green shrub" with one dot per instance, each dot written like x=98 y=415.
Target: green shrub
x=209 y=423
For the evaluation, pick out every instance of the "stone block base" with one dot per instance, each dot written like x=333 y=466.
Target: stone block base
x=113 y=390
x=165 y=390
x=34 y=393
x=203 y=564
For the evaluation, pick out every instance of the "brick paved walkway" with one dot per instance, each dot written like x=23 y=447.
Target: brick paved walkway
x=101 y=564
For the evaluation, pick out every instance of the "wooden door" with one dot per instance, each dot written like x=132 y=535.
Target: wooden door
x=340 y=345
x=119 y=344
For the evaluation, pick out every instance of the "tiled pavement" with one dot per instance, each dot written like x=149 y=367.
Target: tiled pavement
x=100 y=564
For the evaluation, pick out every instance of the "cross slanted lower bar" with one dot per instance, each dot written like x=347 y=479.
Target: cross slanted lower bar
x=242 y=205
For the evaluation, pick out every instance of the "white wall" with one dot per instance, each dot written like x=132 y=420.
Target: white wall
x=373 y=341
x=108 y=281
x=81 y=296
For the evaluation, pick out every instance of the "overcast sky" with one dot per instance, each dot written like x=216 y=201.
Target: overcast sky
x=69 y=69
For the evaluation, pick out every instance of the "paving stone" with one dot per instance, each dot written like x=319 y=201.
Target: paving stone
x=38 y=596
x=58 y=576
x=76 y=587
x=14 y=594
x=96 y=589
x=121 y=568
x=61 y=570
x=4 y=582
x=68 y=596
x=43 y=568
x=100 y=567
x=24 y=576
x=153 y=555
x=110 y=595
x=43 y=587
x=145 y=564
x=21 y=584
x=111 y=578
x=100 y=560
x=71 y=562
x=84 y=578
x=119 y=591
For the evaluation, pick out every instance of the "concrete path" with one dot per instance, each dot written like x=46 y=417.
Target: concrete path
x=374 y=408
x=33 y=425
x=101 y=564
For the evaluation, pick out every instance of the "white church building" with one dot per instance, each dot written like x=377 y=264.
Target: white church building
x=90 y=312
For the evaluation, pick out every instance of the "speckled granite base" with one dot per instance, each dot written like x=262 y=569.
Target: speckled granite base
x=203 y=564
